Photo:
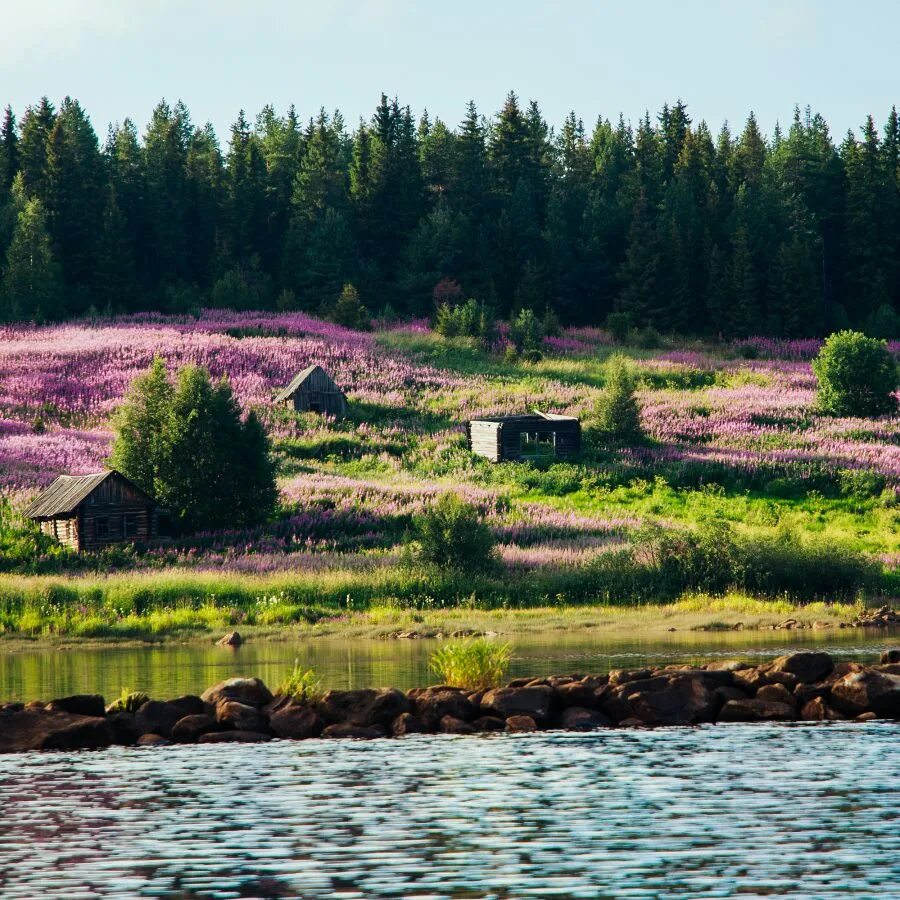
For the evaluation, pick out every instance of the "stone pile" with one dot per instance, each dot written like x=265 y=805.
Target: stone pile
x=807 y=686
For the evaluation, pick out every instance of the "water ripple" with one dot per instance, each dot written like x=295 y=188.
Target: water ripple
x=751 y=811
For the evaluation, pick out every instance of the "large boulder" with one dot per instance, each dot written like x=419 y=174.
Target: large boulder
x=807 y=666
x=240 y=716
x=521 y=723
x=124 y=728
x=250 y=691
x=578 y=694
x=754 y=710
x=817 y=710
x=777 y=693
x=868 y=690
x=158 y=717
x=295 y=722
x=189 y=704
x=42 y=729
x=489 y=723
x=539 y=702
x=407 y=723
x=191 y=728
x=452 y=725
x=432 y=704
x=80 y=705
x=891 y=656
x=683 y=697
x=363 y=708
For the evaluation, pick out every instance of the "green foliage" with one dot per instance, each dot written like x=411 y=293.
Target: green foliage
x=526 y=331
x=884 y=323
x=188 y=447
x=450 y=534
x=616 y=413
x=129 y=701
x=857 y=376
x=349 y=311
x=470 y=319
x=301 y=685
x=619 y=325
x=25 y=549
x=475 y=665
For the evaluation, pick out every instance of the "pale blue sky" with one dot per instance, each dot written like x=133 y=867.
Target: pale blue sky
x=724 y=58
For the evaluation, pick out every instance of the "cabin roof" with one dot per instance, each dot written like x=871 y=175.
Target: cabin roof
x=67 y=493
x=299 y=380
x=532 y=418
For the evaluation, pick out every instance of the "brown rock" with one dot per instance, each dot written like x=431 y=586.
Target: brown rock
x=153 y=740
x=80 y=705
x=776 y=693
x=358 y=732
x=363 y=708
x=807 y=666
x=124 y=728
x=817 y=710
x=728 y=692
x=579 y=718
x=233 y=737
x=521 y=723
x=42 y=729
x=489 y=723
x=540 y=703
x=250 y=691
x=678 y=698
x=623 y=676
x=631 y=722
x=452 y=725
x=190 y=728
x=432 y=704
x=407 y=723
x=190 y=704
x=158 y=717
x=866 y=717
x=891 y=656
x=232 y=639
x=578 y=693
x=240 y=716
x=295 y=722
x=756 y=711
x=868 y=691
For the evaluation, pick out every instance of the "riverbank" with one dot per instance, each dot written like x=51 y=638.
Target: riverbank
x=805 y=686
x=205 y=624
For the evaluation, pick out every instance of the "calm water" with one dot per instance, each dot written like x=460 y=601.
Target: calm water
x=172 y=670
x=743 y=811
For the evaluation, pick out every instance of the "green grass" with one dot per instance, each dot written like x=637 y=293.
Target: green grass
x=475 y=665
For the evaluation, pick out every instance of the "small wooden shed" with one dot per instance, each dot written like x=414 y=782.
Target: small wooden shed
x=313 y=390
x=89 y=512
x=524 y=437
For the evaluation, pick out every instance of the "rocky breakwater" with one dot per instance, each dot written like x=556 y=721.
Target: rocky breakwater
x=806 y=686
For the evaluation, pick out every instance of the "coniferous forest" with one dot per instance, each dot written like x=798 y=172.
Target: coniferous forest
x=665 y=221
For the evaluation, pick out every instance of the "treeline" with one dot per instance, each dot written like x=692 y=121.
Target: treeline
x=665 y=222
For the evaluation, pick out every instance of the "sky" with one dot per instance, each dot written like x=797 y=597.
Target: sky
x=722 y=57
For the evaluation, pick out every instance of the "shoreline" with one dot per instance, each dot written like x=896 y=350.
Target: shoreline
x=694 y=614
x=804 y=686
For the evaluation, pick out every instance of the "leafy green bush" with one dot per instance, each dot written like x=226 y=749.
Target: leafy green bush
x=470 y=319
x=857 y=376
x=616 y=413
x=349 y=310
x=619 y=325
x=451 y=535
x=475 y=665
x=526 y=331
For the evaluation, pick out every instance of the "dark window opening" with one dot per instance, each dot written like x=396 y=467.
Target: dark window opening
x=315 y=406
x=537 y=444
x=130 y=526
x=101 y=527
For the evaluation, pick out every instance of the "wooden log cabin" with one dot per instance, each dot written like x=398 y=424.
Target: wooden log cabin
x=90 y=512
x=313 y=390
x=524 y=437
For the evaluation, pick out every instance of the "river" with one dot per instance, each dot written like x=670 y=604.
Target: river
x=170 y=670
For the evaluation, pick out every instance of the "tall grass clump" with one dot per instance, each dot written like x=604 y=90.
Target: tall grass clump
x=475 y=665
x=452 y=535
x=129 y=701
x=301 y=685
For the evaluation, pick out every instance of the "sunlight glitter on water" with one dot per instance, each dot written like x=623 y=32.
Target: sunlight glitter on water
x=805 y=811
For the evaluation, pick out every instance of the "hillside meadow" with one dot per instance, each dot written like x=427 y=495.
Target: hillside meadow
x=733 y=456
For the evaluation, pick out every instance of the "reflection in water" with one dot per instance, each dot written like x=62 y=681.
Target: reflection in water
x=750 y=811
x=172 y=670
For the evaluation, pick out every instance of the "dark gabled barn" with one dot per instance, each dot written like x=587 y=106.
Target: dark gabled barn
x=89 y=512
x=524 y=437
x=313 y=390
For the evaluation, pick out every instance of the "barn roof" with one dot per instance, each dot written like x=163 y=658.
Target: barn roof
x=528 y=418
x=67 y=493
x=299 y=380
